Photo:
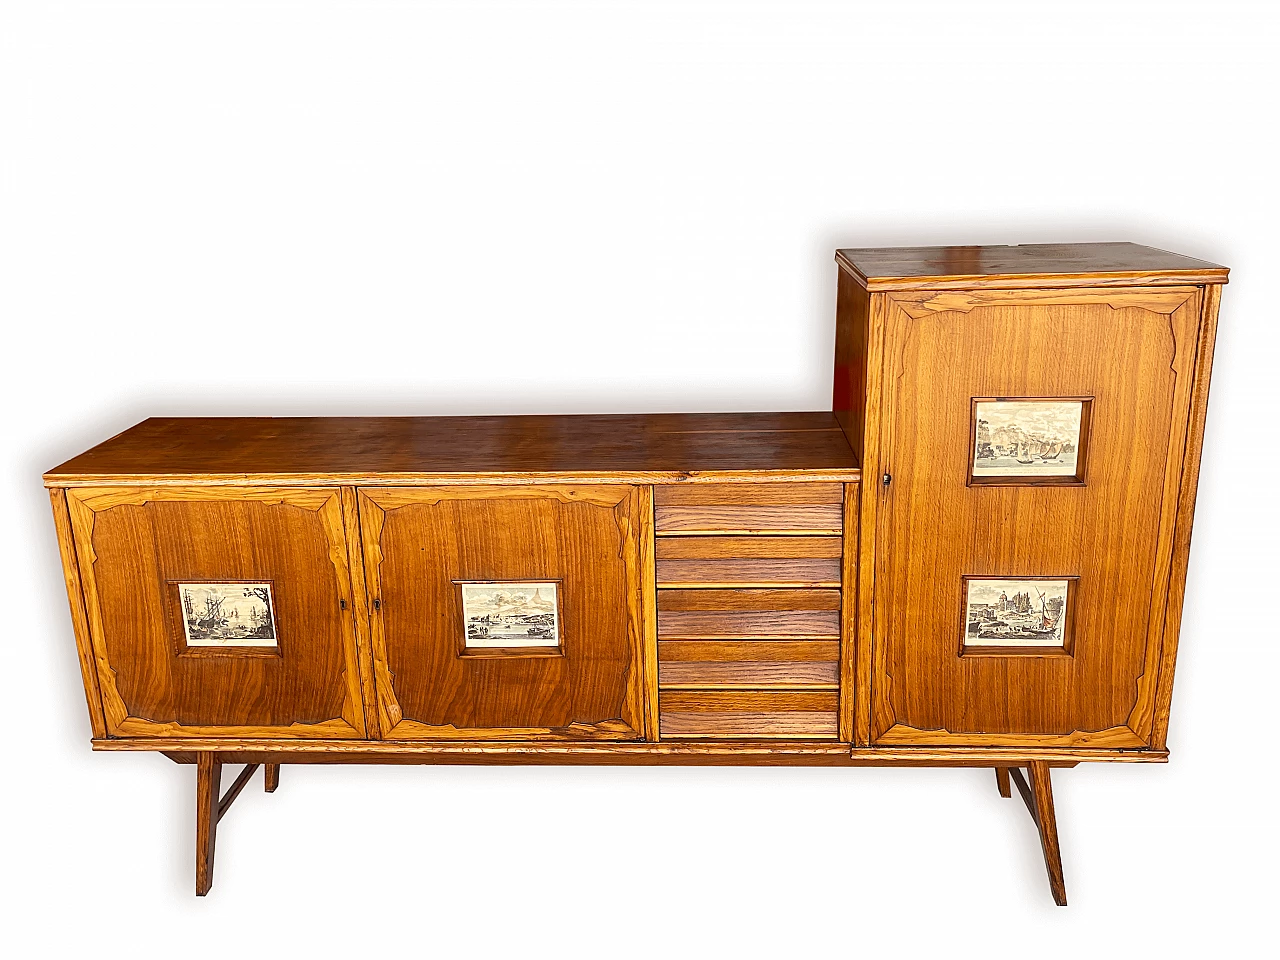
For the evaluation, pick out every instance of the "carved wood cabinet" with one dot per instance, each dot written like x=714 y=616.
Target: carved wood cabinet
x=976 y=558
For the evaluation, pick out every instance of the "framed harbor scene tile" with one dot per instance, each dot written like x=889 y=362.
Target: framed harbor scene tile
x=1004 y=615
x=228 y=615
x=1029 y=441
x=511 y=616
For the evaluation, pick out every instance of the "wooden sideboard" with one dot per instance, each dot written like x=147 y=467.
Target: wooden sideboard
x=976 y=558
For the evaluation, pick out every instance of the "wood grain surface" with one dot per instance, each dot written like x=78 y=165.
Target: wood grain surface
x=132 y=545
x=673 y=448
x=693 y=614
x=748 y=548
x=1025 y=265
x=419 y=542
x=1113 y=533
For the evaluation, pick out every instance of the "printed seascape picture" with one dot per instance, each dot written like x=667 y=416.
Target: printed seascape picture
x=511 y=614
x=228 y=614
x=1016 y=613
x=1027 y=438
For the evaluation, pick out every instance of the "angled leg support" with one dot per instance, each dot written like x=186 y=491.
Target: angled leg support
x=212 y=807
x=1038 y=796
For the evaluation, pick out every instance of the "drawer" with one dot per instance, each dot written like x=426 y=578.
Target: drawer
x=793 y=508
x=751 y=664
x=739 y=714
x=764 y=614
x=748 y=561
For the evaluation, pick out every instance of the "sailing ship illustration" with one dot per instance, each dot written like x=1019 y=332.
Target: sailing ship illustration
x=1026 y=438
x=212 y=617
x=237 y=614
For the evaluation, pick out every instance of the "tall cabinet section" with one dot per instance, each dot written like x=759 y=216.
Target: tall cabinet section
x=1029 y=422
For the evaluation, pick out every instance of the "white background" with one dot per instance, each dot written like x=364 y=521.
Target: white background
x=225 y=208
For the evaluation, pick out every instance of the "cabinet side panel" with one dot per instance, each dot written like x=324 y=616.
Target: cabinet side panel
x=850 y=695
x=1186 y=512
x=79 y=621
x=849 y=386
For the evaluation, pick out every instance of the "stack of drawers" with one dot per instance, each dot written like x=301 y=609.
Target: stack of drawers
x=749 y=609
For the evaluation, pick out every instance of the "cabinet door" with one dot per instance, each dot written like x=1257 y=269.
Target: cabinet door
x=220 y=612
x=976 y=558
x=507 y=612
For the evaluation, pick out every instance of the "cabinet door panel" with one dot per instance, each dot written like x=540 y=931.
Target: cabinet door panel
x=591 y=542
x=1133 y=353
x=136 y=546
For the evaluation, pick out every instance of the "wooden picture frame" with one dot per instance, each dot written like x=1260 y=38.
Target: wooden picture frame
x=175 y=621
x=1074 y=479
x=1067 y=619
x=485 y=652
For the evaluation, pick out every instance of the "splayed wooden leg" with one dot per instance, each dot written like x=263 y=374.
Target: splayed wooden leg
x=1038 y=796
x=208 y=784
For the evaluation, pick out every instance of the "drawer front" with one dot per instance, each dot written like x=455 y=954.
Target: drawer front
x=710 y=614
x=792 y=508
x=714 y=561
x=729 y=714
x=748 y=663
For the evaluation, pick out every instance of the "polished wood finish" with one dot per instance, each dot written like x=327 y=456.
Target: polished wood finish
x=684 y=448
x=684 y=651
x=750 y=674
x=748 y=548
x=1112 y=535
x=133 y=544
x=208 y=785
x=1038 y=797
x=1186 y=506
x=1025 y=265
x=236 y=787
x=749 y=714
x=850 y=641
x=749 y=573
x=79 y=618
x=419 y=543
x=733 y=589
x=680 y=619
x=766 y=753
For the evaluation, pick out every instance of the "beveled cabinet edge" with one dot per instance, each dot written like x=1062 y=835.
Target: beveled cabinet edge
x=1185 y=517
x=735 y=753
x=367 y=480
x=1211 y=276
x=79 y=618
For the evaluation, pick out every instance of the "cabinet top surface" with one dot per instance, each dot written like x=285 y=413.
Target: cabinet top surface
x=659 y=448
x=1029 y=264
